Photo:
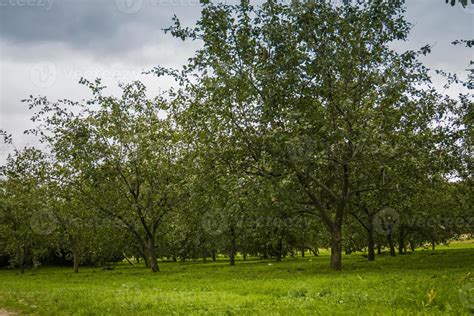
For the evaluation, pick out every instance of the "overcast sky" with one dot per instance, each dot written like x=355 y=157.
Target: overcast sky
x=47 y=45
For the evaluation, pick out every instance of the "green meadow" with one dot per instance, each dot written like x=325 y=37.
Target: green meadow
x=425 y=283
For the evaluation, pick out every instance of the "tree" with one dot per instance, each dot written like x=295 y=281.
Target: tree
x=123 y=156
x=24 y=215
x=309 y=93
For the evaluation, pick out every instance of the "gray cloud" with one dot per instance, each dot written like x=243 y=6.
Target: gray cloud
x=94 y=27
x=117 y=39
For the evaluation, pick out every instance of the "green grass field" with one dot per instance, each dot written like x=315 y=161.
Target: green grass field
x=422 y=283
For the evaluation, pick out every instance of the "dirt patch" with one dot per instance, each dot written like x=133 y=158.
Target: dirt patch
x=4 y=312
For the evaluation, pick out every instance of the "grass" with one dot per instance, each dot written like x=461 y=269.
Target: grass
x=422 y=283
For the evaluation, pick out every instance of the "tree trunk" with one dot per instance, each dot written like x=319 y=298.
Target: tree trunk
x=21 y=258
x=412 y=246
x=152 y=255
x=336 y=248
x=371 y=245
x=34 y=258
x=279 y=249
x=391 y=244
x=213 y=255
x=433 y=245
x=401 y=246
x=401 y=241
x=233 y=247
x=302 y=251
x=75 y=254
x=204 y=255
x=379 y=248
x=128 y=260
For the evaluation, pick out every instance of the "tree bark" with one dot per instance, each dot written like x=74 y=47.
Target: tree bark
x=75 y=255
x=233 y=247
x=279 y=249
x=379 y=248
x=21 y=258
x=152 y=255
x=401 y=246
x=128 y=260
x=336 y=248
x=147 y=260
x=391 y=244
x=371 y=245
x=412 y=246
x=401 y=241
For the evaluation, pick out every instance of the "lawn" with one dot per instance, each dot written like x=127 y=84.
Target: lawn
x=422 y=283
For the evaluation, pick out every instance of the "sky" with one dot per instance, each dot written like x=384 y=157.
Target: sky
x=46 y=46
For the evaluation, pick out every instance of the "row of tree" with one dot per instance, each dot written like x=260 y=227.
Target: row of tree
x=295 y=127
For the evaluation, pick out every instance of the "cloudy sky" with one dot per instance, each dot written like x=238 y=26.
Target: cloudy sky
x=47 y=45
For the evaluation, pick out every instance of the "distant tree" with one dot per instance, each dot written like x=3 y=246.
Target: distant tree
x=24 y=217
x=123 y=155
